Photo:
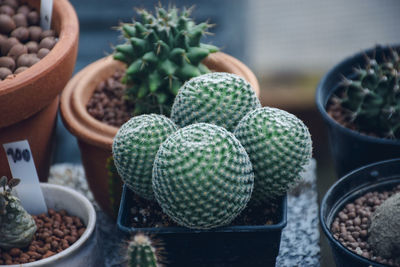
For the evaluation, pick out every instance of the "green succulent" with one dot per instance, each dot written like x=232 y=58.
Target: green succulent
x=202 y=176
x=17 y=227
x=142 y=252
x=134 y=149
x=161 y=51
x=279 y=146
x=371 y=96
x=218 y=98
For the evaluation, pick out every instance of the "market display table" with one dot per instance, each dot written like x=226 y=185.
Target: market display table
x=299 y=244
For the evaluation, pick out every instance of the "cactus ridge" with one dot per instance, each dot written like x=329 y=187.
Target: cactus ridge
x=202 y=176
x=279 y=146
x=371 y=96
x=161 y=51
x=218 y=98
x=134 y=149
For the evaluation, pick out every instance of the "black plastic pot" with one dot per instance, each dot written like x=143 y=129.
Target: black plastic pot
x=349 y=148
x=224 y=246
x=377 y=176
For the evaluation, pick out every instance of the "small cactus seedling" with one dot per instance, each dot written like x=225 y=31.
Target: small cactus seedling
x=162 y=51
x=279 y=146
x=372 y=96
x=218 y=98
x=134 y=150
x=384 y=230
x=17 y=227
x=142 y=252
x=202 y=176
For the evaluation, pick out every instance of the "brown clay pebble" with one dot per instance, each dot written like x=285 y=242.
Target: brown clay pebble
x=43 y=52
x=47 y=42
x=24 y=9
x=33 y=47
x=27 y=60
x=17 y=50
x=354 y=220
x=20 y=20
x=4 y=72
x=34 y=33
x=21 y=33
x=7 y=24
x=47 y=33
x=10 y=42
x=11 y=3
x=7 y=62
x=7 y=10
x=33 y=18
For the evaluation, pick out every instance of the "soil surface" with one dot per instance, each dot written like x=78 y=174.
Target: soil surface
x=351 y=224
x=55 y=232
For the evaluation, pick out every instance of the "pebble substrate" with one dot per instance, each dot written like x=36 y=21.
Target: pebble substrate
x=23 y=43
x=351 y=224
x=55 y=232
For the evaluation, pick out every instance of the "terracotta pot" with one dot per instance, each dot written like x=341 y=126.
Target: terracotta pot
x=95 y=138
x=29 y=100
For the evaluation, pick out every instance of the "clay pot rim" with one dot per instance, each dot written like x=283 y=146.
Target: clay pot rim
x=80 y=123
x=68 y=36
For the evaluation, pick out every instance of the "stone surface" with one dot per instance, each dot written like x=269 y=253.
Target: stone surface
x=299 y=244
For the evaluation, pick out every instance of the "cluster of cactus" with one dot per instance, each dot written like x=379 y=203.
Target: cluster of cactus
x=372 y=96
x=162 y=51
x=17 y=227
x=218 y=98
x=142 y=252
x=384 y=229
x=203 y=174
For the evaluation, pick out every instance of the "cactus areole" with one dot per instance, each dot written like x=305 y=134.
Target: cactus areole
x=161 y=51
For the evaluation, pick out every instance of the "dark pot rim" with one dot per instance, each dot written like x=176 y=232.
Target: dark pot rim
x=323 y=206
x=353 y=60
x=182 y=230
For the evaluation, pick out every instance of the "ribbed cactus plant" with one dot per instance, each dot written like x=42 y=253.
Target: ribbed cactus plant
x=202 y=176
x=17 y=227
x=279 y=146
x=134 y=150
x=218 y=98
x=372 y=96
x=142 y=252
x=161 y=51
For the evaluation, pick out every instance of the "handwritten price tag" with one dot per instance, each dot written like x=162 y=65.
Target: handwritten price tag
x=22 y=166
x=46 y=10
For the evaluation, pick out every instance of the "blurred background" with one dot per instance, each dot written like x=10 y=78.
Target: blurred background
x=288 y=44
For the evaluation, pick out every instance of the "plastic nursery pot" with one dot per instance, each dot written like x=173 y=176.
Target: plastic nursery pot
x=95 y=138
x=225 y=246
x=349 y=148
x=377 y=176
x=85 y=251
x=29 y=100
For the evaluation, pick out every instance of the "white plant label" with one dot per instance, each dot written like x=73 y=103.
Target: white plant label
x=22 y=166
x=46 y=10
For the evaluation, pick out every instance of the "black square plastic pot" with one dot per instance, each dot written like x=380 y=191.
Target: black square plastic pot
x=350 y=149
x=374 y=177
x=225 y=246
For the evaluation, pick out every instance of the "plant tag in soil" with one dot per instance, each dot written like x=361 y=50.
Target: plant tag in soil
x=46 y=10
x=21 y=164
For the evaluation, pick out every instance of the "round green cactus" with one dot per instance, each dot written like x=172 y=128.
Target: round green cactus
x=279 y=146
x=202 y=176
x=218 y=98
x=134 y=149
x=162 y=51
x=142 y=253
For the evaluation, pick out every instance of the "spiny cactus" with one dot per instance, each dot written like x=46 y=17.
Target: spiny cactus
x=279 y=146
x=218 y=98
x=17 y=227
x=142 y=252
x=202 y=176
x=162 y=51
x=384 y=230
x=134 y=150
x=372 y=96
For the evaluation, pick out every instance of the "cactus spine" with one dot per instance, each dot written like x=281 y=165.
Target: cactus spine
x=142 y=253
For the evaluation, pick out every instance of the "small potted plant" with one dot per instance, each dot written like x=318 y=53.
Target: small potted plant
x=359 y=101
x=143 y=75
x=65 y=236
x=35 y=65
x=218 y=180
x=360 y=216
